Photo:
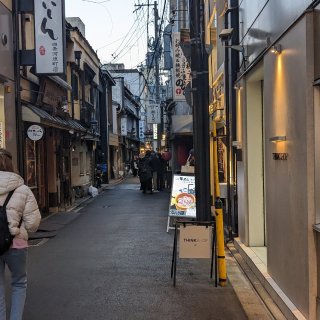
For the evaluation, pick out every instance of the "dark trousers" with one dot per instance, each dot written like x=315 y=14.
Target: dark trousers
x=160 y=181
x=146 y=185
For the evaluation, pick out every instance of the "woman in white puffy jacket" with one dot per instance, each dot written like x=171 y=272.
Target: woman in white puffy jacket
x=23 y=217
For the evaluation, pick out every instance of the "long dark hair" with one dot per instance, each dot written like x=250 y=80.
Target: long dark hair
x=6 y=161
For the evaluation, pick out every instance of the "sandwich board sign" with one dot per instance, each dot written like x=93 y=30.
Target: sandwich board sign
x=195 y=242
x=183 y=198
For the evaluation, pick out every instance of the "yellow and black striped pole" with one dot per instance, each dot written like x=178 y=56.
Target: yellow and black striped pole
x=222 y=269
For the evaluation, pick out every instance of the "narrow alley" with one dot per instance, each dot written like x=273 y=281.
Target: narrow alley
x=112 y=261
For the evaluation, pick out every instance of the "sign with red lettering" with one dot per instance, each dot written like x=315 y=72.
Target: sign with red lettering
x=183 y=198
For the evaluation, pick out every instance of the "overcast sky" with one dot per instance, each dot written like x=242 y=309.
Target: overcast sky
x=113 y=29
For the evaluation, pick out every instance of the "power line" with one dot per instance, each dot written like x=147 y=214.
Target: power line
x=111 y=42
x=130 y=34
x=118 y=57
x=158 y=37
x=134 y=37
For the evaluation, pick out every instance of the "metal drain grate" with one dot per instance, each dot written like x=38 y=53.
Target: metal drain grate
x=37 y=242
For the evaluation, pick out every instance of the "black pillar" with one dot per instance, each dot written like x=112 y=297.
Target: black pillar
x=200 y=82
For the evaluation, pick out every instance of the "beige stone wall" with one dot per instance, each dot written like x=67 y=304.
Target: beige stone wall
x=289 y=184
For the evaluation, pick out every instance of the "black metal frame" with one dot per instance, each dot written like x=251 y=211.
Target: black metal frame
x=213 y=249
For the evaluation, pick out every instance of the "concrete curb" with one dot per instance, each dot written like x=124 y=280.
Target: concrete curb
x=256 y=286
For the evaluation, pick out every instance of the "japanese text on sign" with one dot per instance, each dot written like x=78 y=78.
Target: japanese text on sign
x=181 y=69
x=183 y=198
x=153 y=113
x=141 y=129
x=49 y=42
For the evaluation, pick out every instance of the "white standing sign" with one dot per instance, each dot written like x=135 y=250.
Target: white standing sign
x=181 y=69
x=35 y=132
x=183 y=198
x=49 y=36
x=153 y=113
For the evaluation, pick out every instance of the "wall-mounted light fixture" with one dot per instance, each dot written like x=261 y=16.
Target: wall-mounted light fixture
x=276 y=49
x=278 y=139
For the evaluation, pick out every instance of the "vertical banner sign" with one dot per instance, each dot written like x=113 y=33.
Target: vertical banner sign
x=153 y=113
x=124 y=130
x=181 y=69
x=141 y=129
x=49 y=36
x=155 y=131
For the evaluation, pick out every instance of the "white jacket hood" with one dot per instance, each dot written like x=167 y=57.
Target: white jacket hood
x=9 y=181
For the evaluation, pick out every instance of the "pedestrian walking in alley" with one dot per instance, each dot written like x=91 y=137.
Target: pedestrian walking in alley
x=160 y=172
x=23 y=216
x=145 y=172
x=155 y=165
x=134 y=166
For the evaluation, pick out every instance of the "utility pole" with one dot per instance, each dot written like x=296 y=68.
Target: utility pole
x=200 y=87
x=156 y=50
x=155 y=58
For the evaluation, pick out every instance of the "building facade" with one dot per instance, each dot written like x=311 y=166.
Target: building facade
x=274 y=143
x=8 y=138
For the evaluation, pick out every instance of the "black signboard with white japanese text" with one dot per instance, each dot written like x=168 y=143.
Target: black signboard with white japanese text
x=49 y=24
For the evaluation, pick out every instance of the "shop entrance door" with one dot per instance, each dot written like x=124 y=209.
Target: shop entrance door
x=36 y=172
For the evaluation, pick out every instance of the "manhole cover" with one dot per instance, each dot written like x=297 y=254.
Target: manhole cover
x=37 y=242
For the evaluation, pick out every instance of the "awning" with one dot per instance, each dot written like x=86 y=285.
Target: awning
x=182 y=124
x=60 y=82
x=316 y=227
x=31 y=113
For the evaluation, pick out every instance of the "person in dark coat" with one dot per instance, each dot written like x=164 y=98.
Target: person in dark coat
x=155 y=166
x=145 y=172
x=160 y=172
x=134 y=166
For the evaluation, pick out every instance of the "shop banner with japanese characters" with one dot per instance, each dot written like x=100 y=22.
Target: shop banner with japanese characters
x=181 y=69
x=183 y=198
x=153 y=113
x=141 y=129
x=49 y=36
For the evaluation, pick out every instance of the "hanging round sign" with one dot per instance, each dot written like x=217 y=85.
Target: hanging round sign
x=35 y=132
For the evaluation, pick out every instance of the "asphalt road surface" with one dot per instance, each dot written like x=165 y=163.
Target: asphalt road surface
x=113 y=262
